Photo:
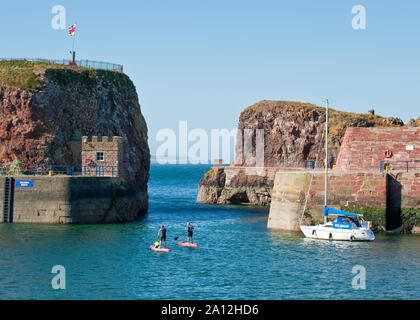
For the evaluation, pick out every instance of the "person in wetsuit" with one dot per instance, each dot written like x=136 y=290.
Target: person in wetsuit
x=190 y=230
x=162 y=236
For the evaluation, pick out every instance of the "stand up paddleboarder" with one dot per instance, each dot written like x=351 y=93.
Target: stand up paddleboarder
x=190 y=230
x=162 y=236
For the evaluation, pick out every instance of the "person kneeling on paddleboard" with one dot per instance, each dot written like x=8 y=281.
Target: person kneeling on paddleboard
x=162 y=235
x=190 y=230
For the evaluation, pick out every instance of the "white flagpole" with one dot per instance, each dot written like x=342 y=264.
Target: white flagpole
x=326 y=157
x=73 y=54
x=74 y=37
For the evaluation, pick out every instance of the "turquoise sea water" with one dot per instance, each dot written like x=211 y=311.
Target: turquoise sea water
x=238 y=258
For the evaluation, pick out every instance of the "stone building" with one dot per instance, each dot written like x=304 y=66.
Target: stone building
x=102 y=156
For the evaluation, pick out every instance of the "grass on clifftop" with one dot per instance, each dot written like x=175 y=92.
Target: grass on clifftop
x=339 y=120
x=310 y=112
x=29 y=75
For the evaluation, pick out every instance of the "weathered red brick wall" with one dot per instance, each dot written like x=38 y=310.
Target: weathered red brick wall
x=351 y=188
x=369 y=189
x=387 y=193
x=409 y=194
x=363 y=148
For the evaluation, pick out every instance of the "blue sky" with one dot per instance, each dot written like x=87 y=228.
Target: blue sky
x=205 y=61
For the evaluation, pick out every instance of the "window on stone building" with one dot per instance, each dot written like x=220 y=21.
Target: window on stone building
x=99 y=156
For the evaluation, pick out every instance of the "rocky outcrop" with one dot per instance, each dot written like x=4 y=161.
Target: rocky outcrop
x=45 y=110
x=293 y=134
x=413 y=123
x=235 y=186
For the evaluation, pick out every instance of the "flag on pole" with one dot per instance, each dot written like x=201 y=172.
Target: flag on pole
x=72 y=30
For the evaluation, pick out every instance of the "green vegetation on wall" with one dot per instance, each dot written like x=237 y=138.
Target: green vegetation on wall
x=409 y=217
x=373 y=214
x=15 y=168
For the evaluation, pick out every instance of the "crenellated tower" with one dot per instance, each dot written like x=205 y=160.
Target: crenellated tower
x=102 y=156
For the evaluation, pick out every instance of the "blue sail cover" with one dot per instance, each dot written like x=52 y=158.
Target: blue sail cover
x=328 y=211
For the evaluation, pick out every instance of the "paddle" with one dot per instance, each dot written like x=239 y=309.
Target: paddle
x=176 y=238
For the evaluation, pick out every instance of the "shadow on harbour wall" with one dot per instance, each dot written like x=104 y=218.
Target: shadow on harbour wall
x=393 y=203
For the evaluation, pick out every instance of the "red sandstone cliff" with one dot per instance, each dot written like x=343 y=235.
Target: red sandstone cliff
x=45 y=110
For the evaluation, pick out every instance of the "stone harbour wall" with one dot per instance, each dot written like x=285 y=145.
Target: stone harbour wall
x=380 y=197
x=364 y=148
x=75 y=200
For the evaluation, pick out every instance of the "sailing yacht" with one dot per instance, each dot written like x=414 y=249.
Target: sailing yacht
x=346 y=226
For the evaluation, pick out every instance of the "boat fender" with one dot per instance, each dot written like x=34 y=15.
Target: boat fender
x=331 y=237
x=313 y=232
x=352 y=238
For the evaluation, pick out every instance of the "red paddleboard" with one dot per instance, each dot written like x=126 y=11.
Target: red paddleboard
x=160 y=250
x=186 y=244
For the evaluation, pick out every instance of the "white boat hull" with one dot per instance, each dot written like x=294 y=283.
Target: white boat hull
x=328 y=233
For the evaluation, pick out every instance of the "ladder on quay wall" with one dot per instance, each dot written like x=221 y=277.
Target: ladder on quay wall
x=8 y=198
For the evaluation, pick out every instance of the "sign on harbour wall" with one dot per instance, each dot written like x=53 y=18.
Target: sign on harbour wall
x=24 y=184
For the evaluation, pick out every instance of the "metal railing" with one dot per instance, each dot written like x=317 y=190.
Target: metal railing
x=68 y=170
x=82 y=63
x=100 y=171
x=54 y=170
x=387 y=165
x=310 y=164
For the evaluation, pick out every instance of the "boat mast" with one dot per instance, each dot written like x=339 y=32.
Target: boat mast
x=326 y=157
